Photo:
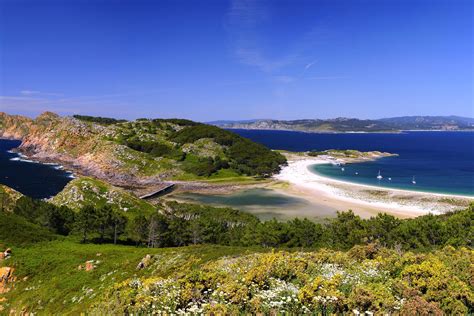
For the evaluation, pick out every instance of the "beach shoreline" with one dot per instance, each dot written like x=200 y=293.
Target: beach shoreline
x=360 y=198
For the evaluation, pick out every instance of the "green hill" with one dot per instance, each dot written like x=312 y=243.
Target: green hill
x=137 y=153
x=237 y=265
x=88 y=191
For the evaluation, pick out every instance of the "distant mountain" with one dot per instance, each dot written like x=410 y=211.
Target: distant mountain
x=430 y=122
x=343 y=124
x=225 y=122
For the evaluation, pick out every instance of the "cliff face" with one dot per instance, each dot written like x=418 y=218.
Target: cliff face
x=80 y=146
x=14 y=126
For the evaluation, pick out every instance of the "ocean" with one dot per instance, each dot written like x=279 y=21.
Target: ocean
x=440 y=162
x=30 y=178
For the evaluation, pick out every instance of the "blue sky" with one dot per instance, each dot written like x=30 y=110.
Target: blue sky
x=237 y=59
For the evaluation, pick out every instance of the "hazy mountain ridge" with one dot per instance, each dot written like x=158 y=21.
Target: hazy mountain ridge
x=343 y=124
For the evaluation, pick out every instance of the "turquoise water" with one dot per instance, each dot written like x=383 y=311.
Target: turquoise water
x=396 y=177
x=441 y=162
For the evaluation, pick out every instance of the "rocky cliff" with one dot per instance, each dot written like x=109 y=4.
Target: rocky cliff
x=83 y=147
x=141 y=153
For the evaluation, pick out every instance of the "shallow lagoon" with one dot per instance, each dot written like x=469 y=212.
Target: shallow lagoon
x=264 y=203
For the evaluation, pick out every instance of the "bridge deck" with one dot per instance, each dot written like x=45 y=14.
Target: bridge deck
x=164 y=189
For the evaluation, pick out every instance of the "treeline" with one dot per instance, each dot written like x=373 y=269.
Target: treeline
x=98 y=119
x=244 y=156
x=187 y=224
x=105 y=223
x=176 y=224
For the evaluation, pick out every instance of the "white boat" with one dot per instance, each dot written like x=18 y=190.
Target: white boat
x=413 y=180
x=342 y=169
x=389 y=179
x=356 y=173
x=379 y=176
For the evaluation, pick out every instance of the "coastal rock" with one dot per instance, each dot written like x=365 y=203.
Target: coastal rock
x=79 y=191
x=88 y=265
x=80 y=146
x=6 y=254
x=6 y=279
x=145 y=262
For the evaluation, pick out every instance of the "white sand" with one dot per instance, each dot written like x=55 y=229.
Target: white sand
x=343 y=195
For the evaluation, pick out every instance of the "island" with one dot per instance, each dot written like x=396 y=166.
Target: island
x=351 y=125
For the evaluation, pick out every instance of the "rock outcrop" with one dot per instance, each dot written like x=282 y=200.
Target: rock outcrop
x=82 y=147
x=6 y=279
x=5 y=254
x=8 y=198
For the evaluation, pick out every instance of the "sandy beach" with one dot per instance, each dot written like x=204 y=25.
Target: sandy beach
x=364 y=200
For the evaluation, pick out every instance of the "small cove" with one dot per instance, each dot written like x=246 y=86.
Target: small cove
x=37 y=180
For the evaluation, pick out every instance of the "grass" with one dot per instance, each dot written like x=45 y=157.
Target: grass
x=20 y=231
x=224 y=176
x=54 y=284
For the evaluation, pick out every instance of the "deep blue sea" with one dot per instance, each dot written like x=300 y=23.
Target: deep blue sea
x=441 y=162
x=30 y=178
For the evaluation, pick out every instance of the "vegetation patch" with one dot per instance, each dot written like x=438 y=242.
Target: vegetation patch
x=366 y=279
x=98 y=119
x=244 y=156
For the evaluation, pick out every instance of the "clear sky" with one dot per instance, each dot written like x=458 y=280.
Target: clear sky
x=238 y=59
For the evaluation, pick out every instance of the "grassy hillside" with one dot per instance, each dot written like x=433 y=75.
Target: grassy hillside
x=88 y=191
x=238 y=280
x=382 y=265
x=49 y=281
x=16 y=230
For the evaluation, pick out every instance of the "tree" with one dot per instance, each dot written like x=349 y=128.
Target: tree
x=104 y=219
x=381 y=228
x=60 y=220
x=346 y=230
x=303 y=233
x=139 y=229
x=118 y=222
x=86 y=221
